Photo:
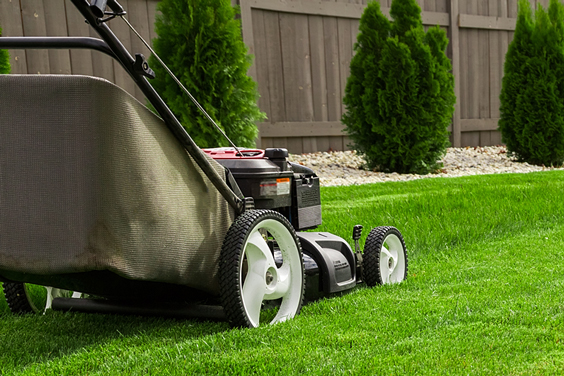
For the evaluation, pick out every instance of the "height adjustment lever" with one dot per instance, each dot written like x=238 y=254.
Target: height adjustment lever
x=141 y=66
x=357 y=232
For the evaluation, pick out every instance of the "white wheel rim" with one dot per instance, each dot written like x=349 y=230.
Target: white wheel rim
x=264 y=280
x=53 y=293
x=392 y=260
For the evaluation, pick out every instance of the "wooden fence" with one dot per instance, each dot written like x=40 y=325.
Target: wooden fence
x=303 y=51
x=302 y=54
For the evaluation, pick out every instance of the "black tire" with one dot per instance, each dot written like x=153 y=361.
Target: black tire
x=25 y=298
x=239 y=244
x=374 y=270
x=18 y=299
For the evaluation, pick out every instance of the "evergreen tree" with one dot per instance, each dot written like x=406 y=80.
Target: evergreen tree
x=364 y=81
x=399 y=96
x=4 y=60
x=532 y=119
x=201 y=42
x=514 y=77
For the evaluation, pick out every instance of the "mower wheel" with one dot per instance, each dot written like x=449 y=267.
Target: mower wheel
x=249 y=275
x=23 y=298
x=385 y=257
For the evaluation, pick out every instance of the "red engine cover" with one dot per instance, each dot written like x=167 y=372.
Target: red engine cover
x=231 y=153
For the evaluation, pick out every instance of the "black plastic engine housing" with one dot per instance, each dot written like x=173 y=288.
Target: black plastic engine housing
x=274 y=183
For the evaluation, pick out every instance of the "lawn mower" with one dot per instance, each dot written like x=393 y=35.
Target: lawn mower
x=108 y=207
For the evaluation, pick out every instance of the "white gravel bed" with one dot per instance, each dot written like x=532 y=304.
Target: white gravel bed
x=345 y=168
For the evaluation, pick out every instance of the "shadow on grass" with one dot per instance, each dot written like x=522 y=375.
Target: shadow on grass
x=35 y=339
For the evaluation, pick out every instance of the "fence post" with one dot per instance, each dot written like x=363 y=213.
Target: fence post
x=455 y=45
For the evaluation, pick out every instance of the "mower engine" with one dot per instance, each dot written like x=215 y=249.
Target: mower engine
x=274 y=183
x=293 y=190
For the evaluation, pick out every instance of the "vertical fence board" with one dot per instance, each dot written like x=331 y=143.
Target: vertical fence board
x=484 y=69
x=355 y=25
x=331 y=41
x=11 y=24
x=318 y=74
x=503 y=46
x=473 y=138
x=495 y=47
x=442 y=6
x=102 y=65
x=33 y=19
x=336 y=143
x=495 y=62
x=309 y=144
x=297 y=72
x=297 y=68
x=81 y=60
x=345 y=55
x=430 y=5
x=511 y=12
x=266 y=142
x=261 y=60
x=504 y=35
x=121 y=30
x=139 y=19
x=463 y=46
x=276 y=73
x=322 y=143
x=347 y=143
x=275 y=68
x=454 y=51
x=280 y=142
x=295 y=145
x=152 y=11
x=332 y=79
x=59 y=60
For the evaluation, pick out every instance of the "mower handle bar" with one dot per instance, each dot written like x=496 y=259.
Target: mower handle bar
x=56 y=43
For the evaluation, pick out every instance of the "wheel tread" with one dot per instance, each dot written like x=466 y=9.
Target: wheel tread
x=16 y=297
x=371 y=256
x=230 y=258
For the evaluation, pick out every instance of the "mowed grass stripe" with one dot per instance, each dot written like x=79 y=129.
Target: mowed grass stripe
x=484 y=295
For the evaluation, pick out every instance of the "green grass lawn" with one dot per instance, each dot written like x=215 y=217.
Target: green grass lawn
x=484 y=295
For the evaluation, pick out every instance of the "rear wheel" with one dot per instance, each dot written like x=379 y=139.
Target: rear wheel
x=385 y=257
x=25 y=298
x=252 y=278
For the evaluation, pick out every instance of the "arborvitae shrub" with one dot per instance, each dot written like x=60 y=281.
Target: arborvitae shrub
x=400 y=93
x=514 y=77
x=532 y=95
x=4 y=60
x=201 y=42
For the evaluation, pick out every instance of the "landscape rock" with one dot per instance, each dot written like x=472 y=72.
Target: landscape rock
x=347 y=167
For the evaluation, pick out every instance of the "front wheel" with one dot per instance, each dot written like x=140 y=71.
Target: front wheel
x=260 y=264
x=385 y=257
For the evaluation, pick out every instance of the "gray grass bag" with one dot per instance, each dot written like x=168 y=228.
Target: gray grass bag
x=91 y=180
